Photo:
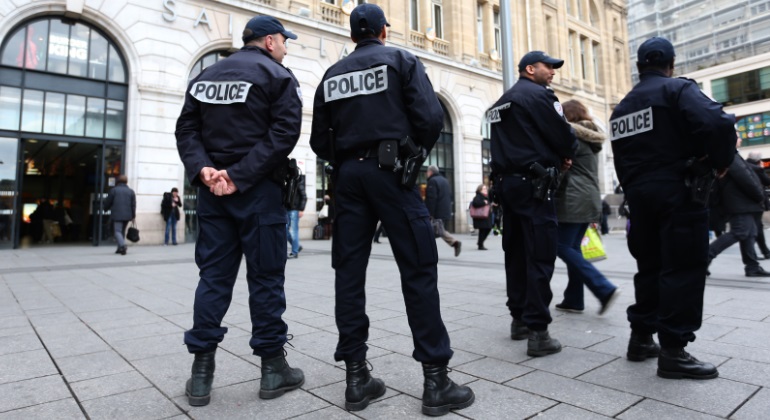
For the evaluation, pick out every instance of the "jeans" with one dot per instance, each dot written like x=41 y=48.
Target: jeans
x=579 y=271
x=119 y=228
x=292 y=230
x=171 y=227
x=743 y=229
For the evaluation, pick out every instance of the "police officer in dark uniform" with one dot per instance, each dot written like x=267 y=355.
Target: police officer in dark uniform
x=668 y=138
x=531 y=140
x=240 y=121
x=365 y=103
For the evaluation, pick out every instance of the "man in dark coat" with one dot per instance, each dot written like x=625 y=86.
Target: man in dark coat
x=742 y=199
x=754 y=161
x=439 y=203
x=122 y=202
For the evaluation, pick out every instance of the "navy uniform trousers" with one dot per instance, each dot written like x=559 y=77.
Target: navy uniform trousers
x=250 y=224
x=669 y=239
x=364 y=194
x=529 y=241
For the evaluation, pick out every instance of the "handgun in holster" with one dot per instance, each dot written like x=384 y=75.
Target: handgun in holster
x=699 y=179
x=412 y=158
x=544 y=180
x=291 y=188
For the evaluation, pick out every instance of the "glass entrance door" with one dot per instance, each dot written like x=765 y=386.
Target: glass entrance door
x=9 y=155
x=58 y=179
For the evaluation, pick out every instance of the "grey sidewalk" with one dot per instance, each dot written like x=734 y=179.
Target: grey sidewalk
x=87 y=333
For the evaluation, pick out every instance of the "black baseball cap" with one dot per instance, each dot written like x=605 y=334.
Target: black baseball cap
x=655 y=50
x=260 y=26
x=367 y=18
x=533 y=57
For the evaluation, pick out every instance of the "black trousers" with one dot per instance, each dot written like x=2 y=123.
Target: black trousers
x=761 y=234
x=529 y=241
x=669 y=240
x=250 y=224
x=743 y=230
x=364 y=194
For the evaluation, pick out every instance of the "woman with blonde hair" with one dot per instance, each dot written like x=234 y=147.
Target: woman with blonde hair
x=578 y=203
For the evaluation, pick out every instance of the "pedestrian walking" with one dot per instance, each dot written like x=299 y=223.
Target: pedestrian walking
x=438 y=199
x=578 y=204
x=742 y=199
x=667 y=138
x=169 y=209
x=482 y=224
x=355 y=129
x=295 y=212
x=121 y=202
x=531 y=142
x=755 y=162
x=230 y=146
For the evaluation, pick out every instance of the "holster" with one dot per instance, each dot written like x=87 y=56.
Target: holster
x=544 y=180
x=699 y=179
x=286 y=175
x=413 y=156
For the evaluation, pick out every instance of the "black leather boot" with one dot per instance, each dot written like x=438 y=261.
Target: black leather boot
x=361 y=388
x=198 y=387
x=675 y=363
x=519 y=330
x=278 y=377
x=540 y=344
x=440 y=394
x=641 y=347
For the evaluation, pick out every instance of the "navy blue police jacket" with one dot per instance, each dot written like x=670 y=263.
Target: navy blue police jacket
x=242 y=114
x=375 y=93
x=528 y=126
x=661 y=124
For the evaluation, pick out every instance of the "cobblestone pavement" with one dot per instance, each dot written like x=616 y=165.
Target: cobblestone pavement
x=86 y=333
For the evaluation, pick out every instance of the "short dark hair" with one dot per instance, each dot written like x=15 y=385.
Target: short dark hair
x=173 y=190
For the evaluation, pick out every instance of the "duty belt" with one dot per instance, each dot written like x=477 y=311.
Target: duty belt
x=370 y=152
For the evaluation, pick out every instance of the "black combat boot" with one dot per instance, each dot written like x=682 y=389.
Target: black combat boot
x=540 y=343
x=198 y=387
x=361 y=386
x=675 y=363
x=278 y=377
x=440 y=394
x=641 y=347
x=519 y=330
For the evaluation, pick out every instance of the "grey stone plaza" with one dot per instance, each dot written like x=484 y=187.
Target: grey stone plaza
x=86 y=333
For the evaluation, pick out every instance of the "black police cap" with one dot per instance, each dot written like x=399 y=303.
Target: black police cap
x=367 y=18
x=533 y=57
x=260 y=26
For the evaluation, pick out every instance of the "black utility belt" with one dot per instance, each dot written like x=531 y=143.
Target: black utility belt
x=405 y=156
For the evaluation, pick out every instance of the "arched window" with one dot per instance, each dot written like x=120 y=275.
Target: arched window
x=59 y=77
x=206 y=61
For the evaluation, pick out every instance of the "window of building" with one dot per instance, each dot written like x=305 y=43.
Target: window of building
x=330 y=1
x=438 y=20
x=480 y=26
x=206 y=61
x=754 y=129
x=583 y=63
x=595 y=53
x=498 y=32
x=580 y=9
x=572 y=53
x=414 y=15
x=741 y=88
x=70 y=49
x=84 y=89
x=568 y=4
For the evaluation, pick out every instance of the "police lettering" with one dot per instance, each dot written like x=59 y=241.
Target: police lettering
x=631 y=124
x=493 y=115
x=220 y=92
x=364 y=82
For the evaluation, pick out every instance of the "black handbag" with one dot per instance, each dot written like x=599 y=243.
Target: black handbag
x=133 y=233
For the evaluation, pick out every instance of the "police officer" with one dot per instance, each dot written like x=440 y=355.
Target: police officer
x=530 y=141
x=368 y=101
x=240 y=120
x=666 y=134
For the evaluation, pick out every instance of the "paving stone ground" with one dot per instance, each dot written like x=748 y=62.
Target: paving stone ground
x=86 y=333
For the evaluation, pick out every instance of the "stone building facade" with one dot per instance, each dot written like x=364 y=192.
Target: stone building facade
x=92 y=88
